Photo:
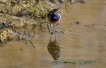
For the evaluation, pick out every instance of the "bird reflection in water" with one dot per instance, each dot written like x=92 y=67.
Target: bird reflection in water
x=54 y=49
x=53 y=46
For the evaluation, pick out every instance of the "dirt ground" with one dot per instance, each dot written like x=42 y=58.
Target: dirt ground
x=81 y=35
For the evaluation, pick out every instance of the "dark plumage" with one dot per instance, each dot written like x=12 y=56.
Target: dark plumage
x=54 y=17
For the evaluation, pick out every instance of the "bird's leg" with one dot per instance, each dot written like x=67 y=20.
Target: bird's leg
x=51 y=32
x=51 y=28
x=55 y=31
x=50 y=37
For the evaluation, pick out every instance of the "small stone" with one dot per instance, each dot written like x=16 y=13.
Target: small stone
x=21 y=49
x=77 y=22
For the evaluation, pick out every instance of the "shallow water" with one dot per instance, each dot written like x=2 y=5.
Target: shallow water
x=79 y=42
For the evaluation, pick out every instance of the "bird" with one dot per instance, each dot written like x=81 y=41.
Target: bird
x=54 y=49
x=54 y=18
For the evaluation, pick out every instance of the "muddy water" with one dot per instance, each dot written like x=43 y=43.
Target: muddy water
x=79 y=42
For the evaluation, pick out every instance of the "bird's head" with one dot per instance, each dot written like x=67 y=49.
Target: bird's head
x=56 y=11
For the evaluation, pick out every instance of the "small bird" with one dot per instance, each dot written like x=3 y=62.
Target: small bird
x=54 y=18
x=54 y=49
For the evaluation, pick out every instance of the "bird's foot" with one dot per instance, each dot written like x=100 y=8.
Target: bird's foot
x=57 y=24
x=52 y=33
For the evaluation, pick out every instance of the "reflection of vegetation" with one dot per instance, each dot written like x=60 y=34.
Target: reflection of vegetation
x=70 y=62
x=30 y=43
x=78 y=62
x=33 y=28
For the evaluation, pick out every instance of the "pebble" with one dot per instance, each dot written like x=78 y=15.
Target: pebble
x=77 y=22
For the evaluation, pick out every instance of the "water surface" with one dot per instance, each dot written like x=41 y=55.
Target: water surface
x=79 y=42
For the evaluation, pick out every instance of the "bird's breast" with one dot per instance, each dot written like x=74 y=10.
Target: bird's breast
x=54 y=17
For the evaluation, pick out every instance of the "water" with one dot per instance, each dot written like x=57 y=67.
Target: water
x=85 y=41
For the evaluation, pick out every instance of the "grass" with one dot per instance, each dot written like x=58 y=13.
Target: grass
x=67 y=7
x=39 y=10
